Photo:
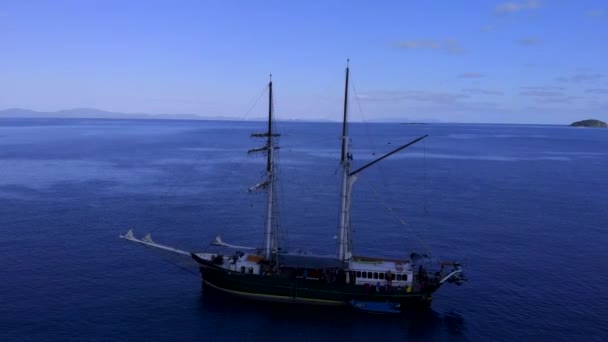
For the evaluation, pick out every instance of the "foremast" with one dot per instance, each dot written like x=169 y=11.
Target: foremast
x=268 y=183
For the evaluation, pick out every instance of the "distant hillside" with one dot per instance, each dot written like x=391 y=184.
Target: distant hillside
x=589 y=123
x=91 y=113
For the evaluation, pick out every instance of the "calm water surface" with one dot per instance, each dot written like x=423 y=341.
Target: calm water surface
x=524 y=207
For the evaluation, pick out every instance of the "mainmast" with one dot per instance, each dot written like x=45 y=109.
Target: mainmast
x=270 y=233
x=268 y=183
x=344 y=251
x=349 y=178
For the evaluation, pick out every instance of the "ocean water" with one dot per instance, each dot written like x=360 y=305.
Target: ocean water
x=524 y=207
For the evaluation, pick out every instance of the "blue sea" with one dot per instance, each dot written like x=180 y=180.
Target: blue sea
x=523 y=207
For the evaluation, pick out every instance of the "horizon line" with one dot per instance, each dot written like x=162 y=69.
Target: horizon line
x=61 y=114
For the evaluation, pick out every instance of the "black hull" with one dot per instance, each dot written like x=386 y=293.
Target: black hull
x=305 y=291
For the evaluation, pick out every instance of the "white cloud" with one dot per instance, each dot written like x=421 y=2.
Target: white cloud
x=596 y=13
x=580 y=78
x=597 y=91
x=559 y=99
x=471 y=75
x=513 y=7
x=542 y=91
x=529 y=41
x=413 y=95
x=482 y=91
x=448 y=45
x=548 y=94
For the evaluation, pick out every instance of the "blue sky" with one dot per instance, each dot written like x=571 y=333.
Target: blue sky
x=453 y=61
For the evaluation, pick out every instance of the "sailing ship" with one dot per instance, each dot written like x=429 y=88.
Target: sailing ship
x=367 y=283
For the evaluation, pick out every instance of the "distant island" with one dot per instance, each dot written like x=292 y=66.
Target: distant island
x=589 y=123
x=92 y=113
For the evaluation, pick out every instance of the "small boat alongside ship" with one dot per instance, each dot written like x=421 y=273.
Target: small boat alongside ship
x=376 y=307
x=366 y=283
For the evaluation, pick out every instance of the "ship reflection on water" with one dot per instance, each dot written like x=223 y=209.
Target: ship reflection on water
x=280 y=321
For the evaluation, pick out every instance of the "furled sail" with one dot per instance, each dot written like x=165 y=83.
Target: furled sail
x=218 y=242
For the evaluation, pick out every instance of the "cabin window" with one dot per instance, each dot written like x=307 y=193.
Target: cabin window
x=369 y=275
x=405 y=277
x=398 y=277
x=381 y=275
x=242 y=269
x=358 y=274
x=364 y=275
x=375 y=275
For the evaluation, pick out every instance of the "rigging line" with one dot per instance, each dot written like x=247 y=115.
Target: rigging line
x=244 y=199
x=170 y=188
x=424 y=246
x=255 y=102
x=425 y=182
x=176 y=182
x=371 y=142
x=369 y=136
x=282 y=234
x=172 y=262
x=383 y=178
x=182 y=268
x=364 y=117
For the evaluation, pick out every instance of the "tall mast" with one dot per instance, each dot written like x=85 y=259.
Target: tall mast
x=268 y=183
x=349 y=178
x=344 y=251
x=270 y=233
x=269 y=165
x=344 y=125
